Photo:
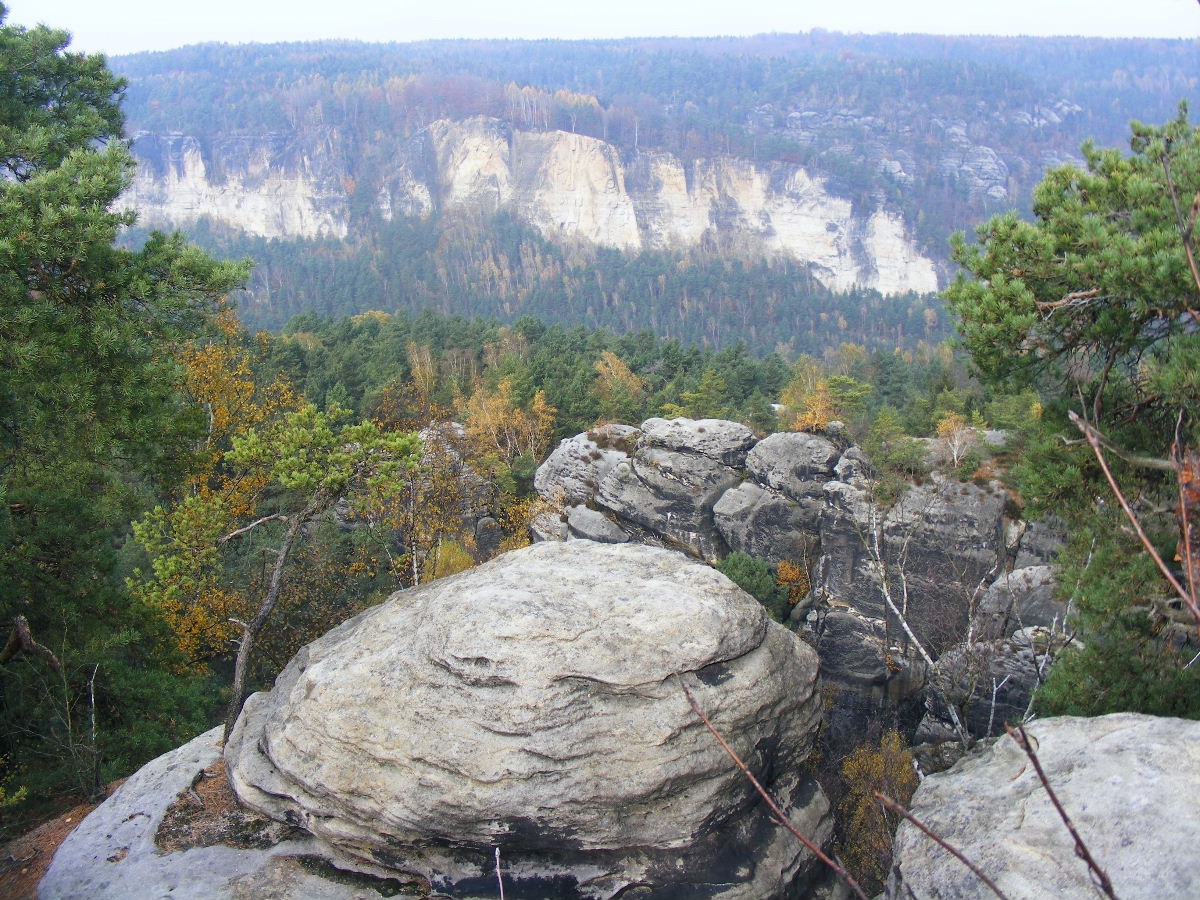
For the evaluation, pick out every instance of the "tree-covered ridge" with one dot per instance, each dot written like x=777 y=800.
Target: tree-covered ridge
x=503 y=269
x=917 y=121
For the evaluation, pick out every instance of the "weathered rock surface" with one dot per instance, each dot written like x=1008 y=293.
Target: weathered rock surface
x=937 y=545
x=1041 y=543
x=794 y=463
x=768 y=525
x=708 y=488
x=590 y=525
x=1022 y=598
x=535 y=704
x=579 y=464
x=717 y=439
x=989 y=682
x=672 y=496
x=113 y=854
x=1128 y=782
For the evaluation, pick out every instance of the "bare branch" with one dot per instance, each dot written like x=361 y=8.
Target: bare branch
x=892 y=806
x=499 y=879
x=1018 y=734
x=1073 y=299
x=846 y=877
x=20 y=640
x=277 y=517
x=1091 y=434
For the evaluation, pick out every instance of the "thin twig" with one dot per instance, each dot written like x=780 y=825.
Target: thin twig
x=762 y=792
x=1081 y=850
x=892 y=806
x=1186 y=467
x=499 y=880
x=1093 y=440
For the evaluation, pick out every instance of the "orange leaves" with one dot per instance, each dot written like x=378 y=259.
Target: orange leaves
x=496 y=425
x=185 y=584
x=795 y=578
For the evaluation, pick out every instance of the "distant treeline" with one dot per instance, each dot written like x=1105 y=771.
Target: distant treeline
x=503 y=269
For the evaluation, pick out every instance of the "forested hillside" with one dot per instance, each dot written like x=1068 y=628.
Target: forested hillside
x=942 y=131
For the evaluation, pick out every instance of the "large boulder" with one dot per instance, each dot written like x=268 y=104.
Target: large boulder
x=794 y=463
x=578 y=464
x=718 y=439
x=535 y=704
x=989 y=683
x=1023 y=598
x=591 y=525
x=1128 y=782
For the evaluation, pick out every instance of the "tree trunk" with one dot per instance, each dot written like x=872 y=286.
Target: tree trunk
x=254 y=627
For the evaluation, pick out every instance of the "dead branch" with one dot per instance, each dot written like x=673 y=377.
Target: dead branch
x=1185 y=230
x=1187 y=467
x=892 y=806
x=1092 y=437
x=1075 y=298
x=277 y=517
x=1018 y=734
x=840 y=871
x=20 y=640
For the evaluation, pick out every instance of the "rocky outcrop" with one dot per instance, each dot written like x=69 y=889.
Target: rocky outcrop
x=709 y=488
x=569 y=186
x=578 y=465
x=591 y=525
x=535 y=704
x=989 y=683
x=670 y=483
x=1127 y=781
x=1022 y=598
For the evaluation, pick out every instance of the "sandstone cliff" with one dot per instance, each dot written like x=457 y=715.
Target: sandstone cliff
x=570 y=187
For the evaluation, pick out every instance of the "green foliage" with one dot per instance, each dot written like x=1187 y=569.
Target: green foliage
x=1130 y=660
x=754 y=576
x=91 y=423
x=1096 y=295
x=1095 y=304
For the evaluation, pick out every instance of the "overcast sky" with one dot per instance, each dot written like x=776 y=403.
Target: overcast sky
x=125 y=26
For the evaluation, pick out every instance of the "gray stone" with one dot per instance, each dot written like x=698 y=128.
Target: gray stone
x=591 y=525
x=112 y=854
x=535 y=704
x=767 y=525
x=989 y=682
x=1041 y=543
x=718 y=439
x=1019 y=599
x=578 y=464
x=548 y=526
x=672 y=495
x=937 y=545
x=793 y=463
x=852 y=467
x=1128 y=782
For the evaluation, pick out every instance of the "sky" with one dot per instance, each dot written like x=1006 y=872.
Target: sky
x=128 y=26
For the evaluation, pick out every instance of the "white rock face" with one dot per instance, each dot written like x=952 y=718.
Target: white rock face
x=535 y=704
x=573 y=187
x=263 y=192
x=569 y=186
x=1128 y=782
